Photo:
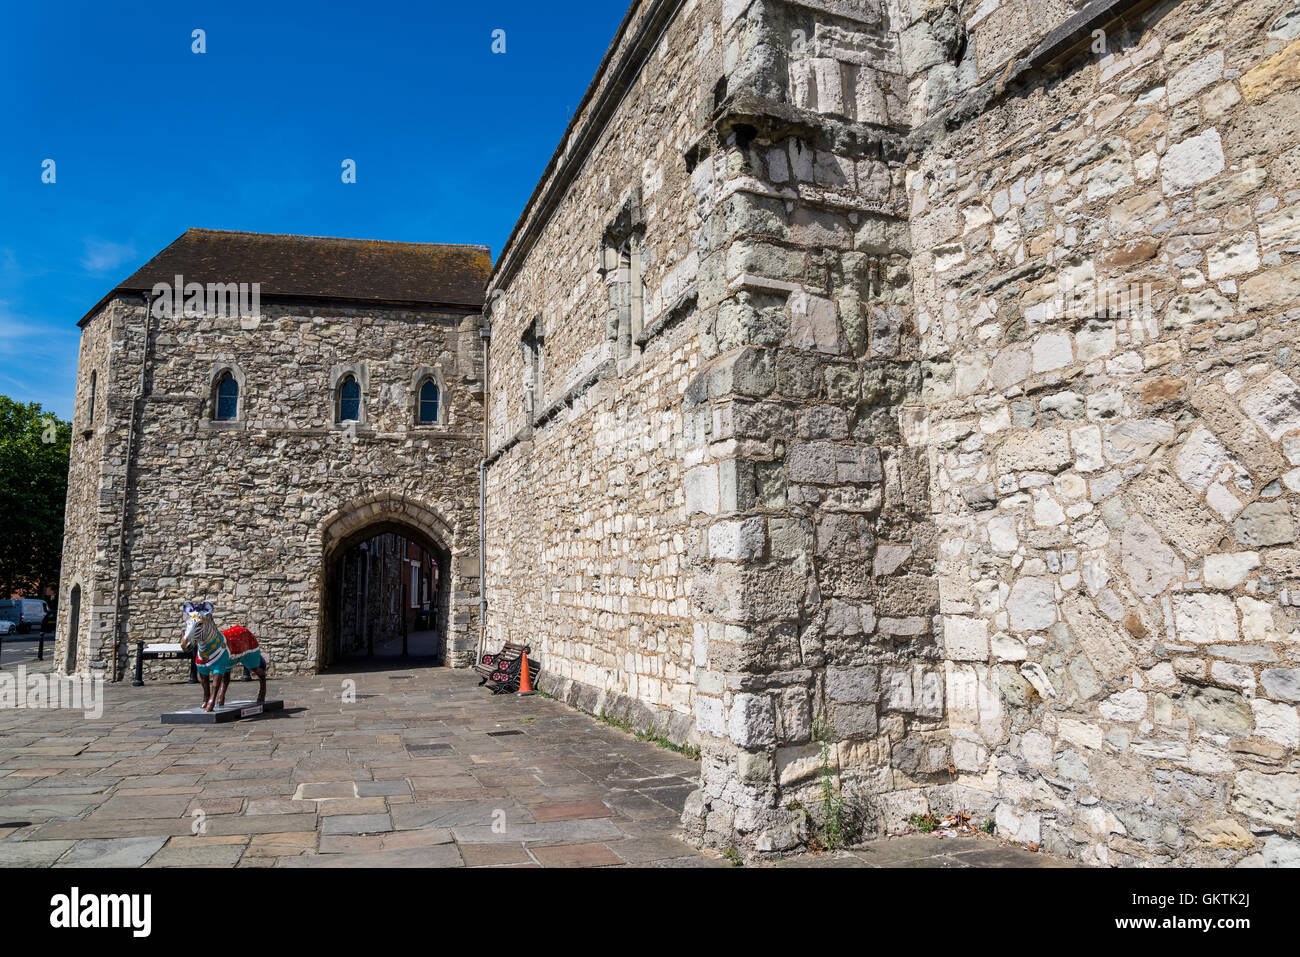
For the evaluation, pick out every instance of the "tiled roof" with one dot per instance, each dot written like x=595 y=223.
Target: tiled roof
x=314 y=267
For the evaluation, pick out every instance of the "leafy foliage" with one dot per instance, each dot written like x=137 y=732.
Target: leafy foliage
x=833 y=825
x=925 y=823
x=34 y=448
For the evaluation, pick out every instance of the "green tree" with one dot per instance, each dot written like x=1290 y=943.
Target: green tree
x=33 y=486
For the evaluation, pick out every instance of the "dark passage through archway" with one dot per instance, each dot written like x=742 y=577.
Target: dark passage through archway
x=386 y=594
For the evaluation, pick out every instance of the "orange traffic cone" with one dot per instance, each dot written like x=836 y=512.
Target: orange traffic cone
x=525 y=679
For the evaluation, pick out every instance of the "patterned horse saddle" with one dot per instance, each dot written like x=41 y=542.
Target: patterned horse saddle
x=239 y=640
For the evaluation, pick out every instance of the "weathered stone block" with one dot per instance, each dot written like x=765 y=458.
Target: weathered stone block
x=853 y=684
x=1228 y=571
x=1206 y=619
x=1218 y=710
x=814 y=324
x=751 y=319
x=702 y=490
x=1151 y=565
x=1274 y=404
x=965 y=639
x=1032 y=604
x=1265 y=523
x=751 y=722
x=746 y=371
x=1271 y=290
x=1171 y=507
x=1192 y=161
x=1277 y=722
x=1047 y=450
x=1282 y=683
x=742 y=540
x=1269 y=798
x=1105 y=649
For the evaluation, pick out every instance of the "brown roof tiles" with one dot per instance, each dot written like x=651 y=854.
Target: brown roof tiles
x=314 y=267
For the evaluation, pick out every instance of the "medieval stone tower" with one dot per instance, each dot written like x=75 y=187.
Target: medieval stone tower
x=216 y=454
x=897 y=389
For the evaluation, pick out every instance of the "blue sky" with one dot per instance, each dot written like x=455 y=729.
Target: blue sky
x=150 y=138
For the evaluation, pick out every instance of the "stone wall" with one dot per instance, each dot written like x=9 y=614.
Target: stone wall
x=987 y=467
x=251 y=514
x=94 y=494
x=699 y=498
x=1106 y=272
x=588 y=546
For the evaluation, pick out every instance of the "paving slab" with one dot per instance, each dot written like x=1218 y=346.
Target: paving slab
x=356 y=824
x=553 y=832
x=129 y=807
x=460 y=814
x=117 y=852
x=572 y=811
x=382 y=788
x=645 y=850
x=108 y=829
x=423 y=769
x=576 y=855
x=832 y=859
x=353 y=806
x=32 y=853
x=1007 y=857
x=442 y=855
x=211 y=856
x=494 y=855
x=261 y=824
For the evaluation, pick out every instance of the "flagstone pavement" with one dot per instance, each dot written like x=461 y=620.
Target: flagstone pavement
x=424 y=768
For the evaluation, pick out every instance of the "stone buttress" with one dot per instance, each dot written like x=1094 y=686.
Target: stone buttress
x=814 y=588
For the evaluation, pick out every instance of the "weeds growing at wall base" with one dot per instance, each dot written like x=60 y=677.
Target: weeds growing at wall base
x=832 y=836
x=648 y=734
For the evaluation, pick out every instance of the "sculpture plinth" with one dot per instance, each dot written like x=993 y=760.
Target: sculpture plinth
x=231 y=711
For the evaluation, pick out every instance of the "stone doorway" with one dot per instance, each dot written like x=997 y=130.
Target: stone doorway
x=386 y=590
x=74 y=621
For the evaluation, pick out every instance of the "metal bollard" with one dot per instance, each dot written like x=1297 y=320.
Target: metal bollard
x=40 y=647
x=139 y=665
x=194 y=672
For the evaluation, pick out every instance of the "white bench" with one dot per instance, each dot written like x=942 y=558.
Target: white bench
x=160 y=651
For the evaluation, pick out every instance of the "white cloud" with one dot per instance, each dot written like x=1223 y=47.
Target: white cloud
x=13 y=326
x=102 y=256
x=38 y=363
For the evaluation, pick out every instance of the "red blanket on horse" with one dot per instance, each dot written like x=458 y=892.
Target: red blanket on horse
x=239 y=640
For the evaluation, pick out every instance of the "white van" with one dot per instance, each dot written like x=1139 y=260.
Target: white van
x=25 y=613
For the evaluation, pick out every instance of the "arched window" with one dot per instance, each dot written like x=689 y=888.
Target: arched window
x=429 y=397
x=227 y=399
x=349 y=400
x=90 y=405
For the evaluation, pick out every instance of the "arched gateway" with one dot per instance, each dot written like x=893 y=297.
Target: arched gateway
x=406 y=546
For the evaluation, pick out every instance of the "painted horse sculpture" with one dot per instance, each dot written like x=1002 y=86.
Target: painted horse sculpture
x=217 y=653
